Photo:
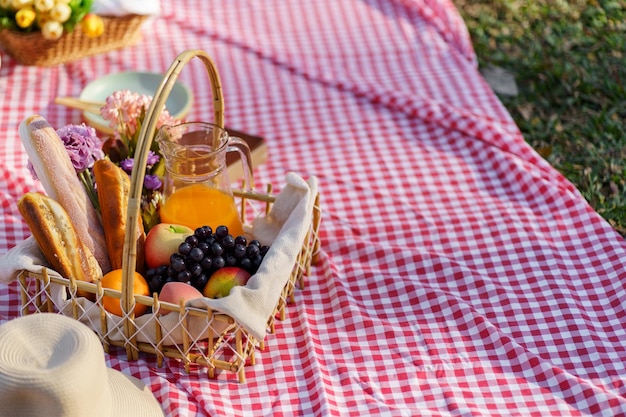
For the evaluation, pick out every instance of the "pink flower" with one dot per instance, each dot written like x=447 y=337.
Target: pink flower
x=123 y=109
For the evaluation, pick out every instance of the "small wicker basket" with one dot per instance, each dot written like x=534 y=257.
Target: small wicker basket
x=205 y=337
x=33 y=49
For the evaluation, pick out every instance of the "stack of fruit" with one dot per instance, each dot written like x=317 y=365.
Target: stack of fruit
x=185 y=264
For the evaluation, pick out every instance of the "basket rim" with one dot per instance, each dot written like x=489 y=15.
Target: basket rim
x=31 y=48
x=37 y=33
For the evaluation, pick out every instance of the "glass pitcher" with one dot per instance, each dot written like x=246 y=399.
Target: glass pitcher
x=196 y=187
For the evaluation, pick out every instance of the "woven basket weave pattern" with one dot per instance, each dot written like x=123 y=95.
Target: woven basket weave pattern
x=33 y=49
x=223 y=344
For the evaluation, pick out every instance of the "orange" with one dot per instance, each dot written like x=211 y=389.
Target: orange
x=113 y=280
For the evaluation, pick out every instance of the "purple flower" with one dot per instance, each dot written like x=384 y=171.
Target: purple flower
x=153 y=158
x=127 y=165
x=152 y=182
x=82 y=144
x=31 y=169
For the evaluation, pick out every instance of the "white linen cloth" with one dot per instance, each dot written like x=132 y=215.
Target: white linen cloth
x=126 y=7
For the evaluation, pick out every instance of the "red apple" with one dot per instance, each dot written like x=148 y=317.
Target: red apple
x=162 y=241
x=172 y=292
x=223 y=280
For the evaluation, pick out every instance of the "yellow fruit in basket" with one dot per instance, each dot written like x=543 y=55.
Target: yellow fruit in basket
x=93 y=25
x=25 y=17
x=61 y=12
x=113 y=280
x=52 y=30
x=43 y=5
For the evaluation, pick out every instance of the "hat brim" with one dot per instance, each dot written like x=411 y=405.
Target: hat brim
x=131 y=397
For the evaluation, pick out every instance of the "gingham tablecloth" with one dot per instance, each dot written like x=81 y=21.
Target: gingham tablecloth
x=460 y=274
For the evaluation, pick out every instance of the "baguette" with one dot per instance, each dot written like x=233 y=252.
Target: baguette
x=113 y=186
x=54 y=232
x=57 y=175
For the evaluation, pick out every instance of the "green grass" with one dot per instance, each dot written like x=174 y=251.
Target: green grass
x=569 y=61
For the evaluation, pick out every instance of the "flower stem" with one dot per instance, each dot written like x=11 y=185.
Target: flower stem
x=85 y=178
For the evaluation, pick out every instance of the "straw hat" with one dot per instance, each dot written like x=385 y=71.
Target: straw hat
x=52 y=365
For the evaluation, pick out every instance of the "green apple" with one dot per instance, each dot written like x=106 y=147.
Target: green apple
x=162 y=241
x=223 y=280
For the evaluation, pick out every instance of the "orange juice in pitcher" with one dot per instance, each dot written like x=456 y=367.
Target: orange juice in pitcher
x=196 y=186
x=198 y=205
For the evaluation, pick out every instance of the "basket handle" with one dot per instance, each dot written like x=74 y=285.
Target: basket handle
x=144 y=142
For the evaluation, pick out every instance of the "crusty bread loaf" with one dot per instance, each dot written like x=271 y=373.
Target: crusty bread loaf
x=57 y=175
x=113 y=186
x=56 y=236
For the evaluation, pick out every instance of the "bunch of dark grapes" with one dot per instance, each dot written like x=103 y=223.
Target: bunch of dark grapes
x=205 y=252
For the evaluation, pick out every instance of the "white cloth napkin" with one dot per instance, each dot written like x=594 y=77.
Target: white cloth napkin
x=284 y=229
x=126 y=7
x=25 y=255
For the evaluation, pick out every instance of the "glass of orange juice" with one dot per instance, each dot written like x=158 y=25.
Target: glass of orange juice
x=196 y=189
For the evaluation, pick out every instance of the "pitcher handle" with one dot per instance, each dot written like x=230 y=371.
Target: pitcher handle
x=241 y=147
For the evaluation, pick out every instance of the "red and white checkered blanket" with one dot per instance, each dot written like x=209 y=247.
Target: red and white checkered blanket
x=460 y=274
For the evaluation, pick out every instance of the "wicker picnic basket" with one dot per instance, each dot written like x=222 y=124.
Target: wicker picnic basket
x=33 y=49
x=202 y=338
